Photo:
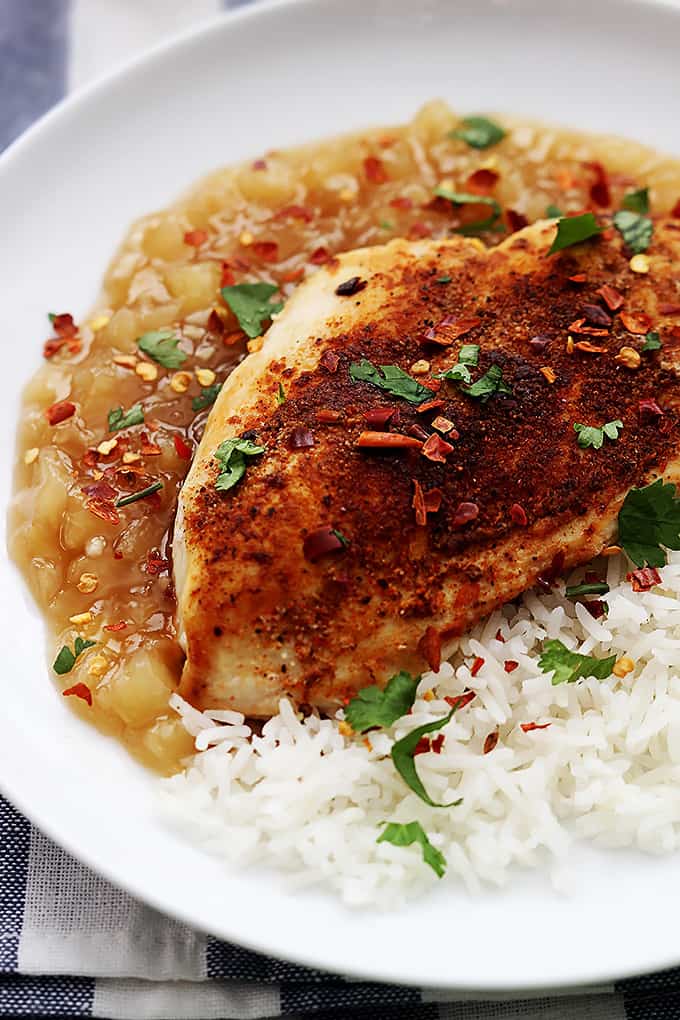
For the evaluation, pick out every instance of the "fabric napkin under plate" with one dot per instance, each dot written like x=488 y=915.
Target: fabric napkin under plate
x=71 y=944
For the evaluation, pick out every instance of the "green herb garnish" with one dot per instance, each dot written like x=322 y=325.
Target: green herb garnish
x=120 y=419
x=637 y=201
x=467 y=355
x=463 y=198
x=443 y=279
x=652 y=343
x=588 y=588
x=373 y=707
x=479 y=132
x=386 y=225
x=635 y=229
x=592 y=435
x=231 y=457
x=488 y=385
x=402 y=754
x=573 y=230
x=250 y=304
x=552 y=212
x=51 y=316
x=343 y=539
x=408 y=833
x=648 y=520
x=142 y=494
x=161 y=345
x=393 y=380
x=206 y=397
x=567 y=667
x=66 y=659
x=280 y=395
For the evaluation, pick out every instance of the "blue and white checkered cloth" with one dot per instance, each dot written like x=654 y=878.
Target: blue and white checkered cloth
x=70 y=944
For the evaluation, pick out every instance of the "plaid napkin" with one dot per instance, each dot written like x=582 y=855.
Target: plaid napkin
x=70 y=944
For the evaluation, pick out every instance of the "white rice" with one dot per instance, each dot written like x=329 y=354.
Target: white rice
x=308 y=801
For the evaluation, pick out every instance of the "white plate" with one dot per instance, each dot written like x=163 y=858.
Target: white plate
x=266 y=77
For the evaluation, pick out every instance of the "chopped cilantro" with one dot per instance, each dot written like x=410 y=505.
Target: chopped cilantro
x=162 y=346
x=250 y=304
x=479 y=132
x=66 y=659
x=567 y=667
x=408 y=833
x=206 y=397
x=553 y=212
x=648 y=520
x=231 y=457
x=340 y=537
x=463 y=198
x=488 y=385
x=637 y=201
x=592 y=435
x=573 y=230
x=402 y=754
x=392 y=379
x=468 y=355
x=375 y=707
x=280 y=395
x=443 y=279
x=652 y=343
x=386 y=225
x=51 y=316
x=588 y=588
x=635 y=229
x=120 y=419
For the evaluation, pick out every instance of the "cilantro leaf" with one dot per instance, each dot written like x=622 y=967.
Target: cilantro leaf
x=489 y=384
x=567 y=667
x=588 y=588
x=408 y=833
x=250 y=304
x=375 y=707
x=469 y=354
x=443 y=279
x=161 y=345
x=573 y=230
x=649 y=519
x=635 y=229
x=66 y=659
x=652 y=343
x=463 y=198
x=552 y=212
x=280 y=395
x=402 y=754
x=392 y=379
x=479 y=132
x=206 y=397
x=120 y=419
x=231 y=457
x=637 y=201
x=593 y=435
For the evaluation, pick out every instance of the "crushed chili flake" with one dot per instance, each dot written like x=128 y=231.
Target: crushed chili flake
x=666 y=308
x=577 y=278
x=182 y=448
x=579 y=327
x=320 y=542
x=499 y=636
x=156 y=564
x=81 y=691
x=611 y=297
x=388 y=441
x=101 y=490
x=644 y=579
x=328 y=417
x=418 y=230
x=423 y=746
x=115 y=627
x=482 y=181
x=675 y=211
x=295 y=212
x=596 y=315
x=430 y=647
x=103 y=509
x=330 y=361
x=649 y=411
x=61 y=411
x=419 y=432
x=510 y=665
x=259 y=164
x=215 y=323
x=540 y=342
x=596 y=608
x=465 y=513
x=461 y=700
x=374 y=169
x=599 y=189
x=518 y=515
x=319 y=256
x=436 y=449
x=586 y=347
x=266 y=251
x=301 y=438
x=490 y=742
x=437 y=743
x=378 y=417
x=147 y=447
x=476 y=665
x=402 y=202
x=430 y=405
x=196 y=238
x=547 y=577
x=450 y=329
x=515 y=220
x=227 y=278
x=638 y=324
x=446 y=426
x=350 y=287
x=528 y=727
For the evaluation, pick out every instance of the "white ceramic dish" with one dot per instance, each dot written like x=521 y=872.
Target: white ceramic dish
x=269 y=76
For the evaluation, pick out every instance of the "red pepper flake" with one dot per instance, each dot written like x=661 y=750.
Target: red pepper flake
x=499 y=636
x=515 y=220
x=577 y=278
x=156 y=564
x=611 y=297
x=301 y=438
x=437 y=744
x=482 y=181
x=147 y=448
x=378 y=417
x=596 y=315
x=547 y=578
x=430 y=647
x=115 y=627
x=451 y=328
x=293 y=275
x=587 y=348
x=375 y=170
x=599 y=190
x=510 y=665
x=266 y=251
x=81 y=691
x=418 y=230
x=419 y=432
x=214 y=323
x=580 y=329
x=63 y=325
x=425 y=503
x=319 y=256
x=295 y=212
x=644 y=578
x=490 y=742
x=182 y=449
x=320 y=542
x=518 y=515
x=402 y=202
x=61 y=411
x=330 y=361
x=422 y=747
x=430 y=405
x=465 y=513
x=638 y=324
x=196 y=238
x=649 y=411
x=675 y=211
x=259 y=164
x=540 y=342
x=442 y=424
x=529 y=727
x=596 y=608
x=103 y=509
x=227 y=279
x=328 y=417
x=101 y=490
x=476 y=665
x=350 y=287
x=436 y=449
x=387 y=441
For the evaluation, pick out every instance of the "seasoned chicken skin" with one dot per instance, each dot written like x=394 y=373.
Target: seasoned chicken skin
x=265 y=611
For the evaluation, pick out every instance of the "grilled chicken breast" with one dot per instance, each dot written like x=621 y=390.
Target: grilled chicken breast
x=331 y=565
